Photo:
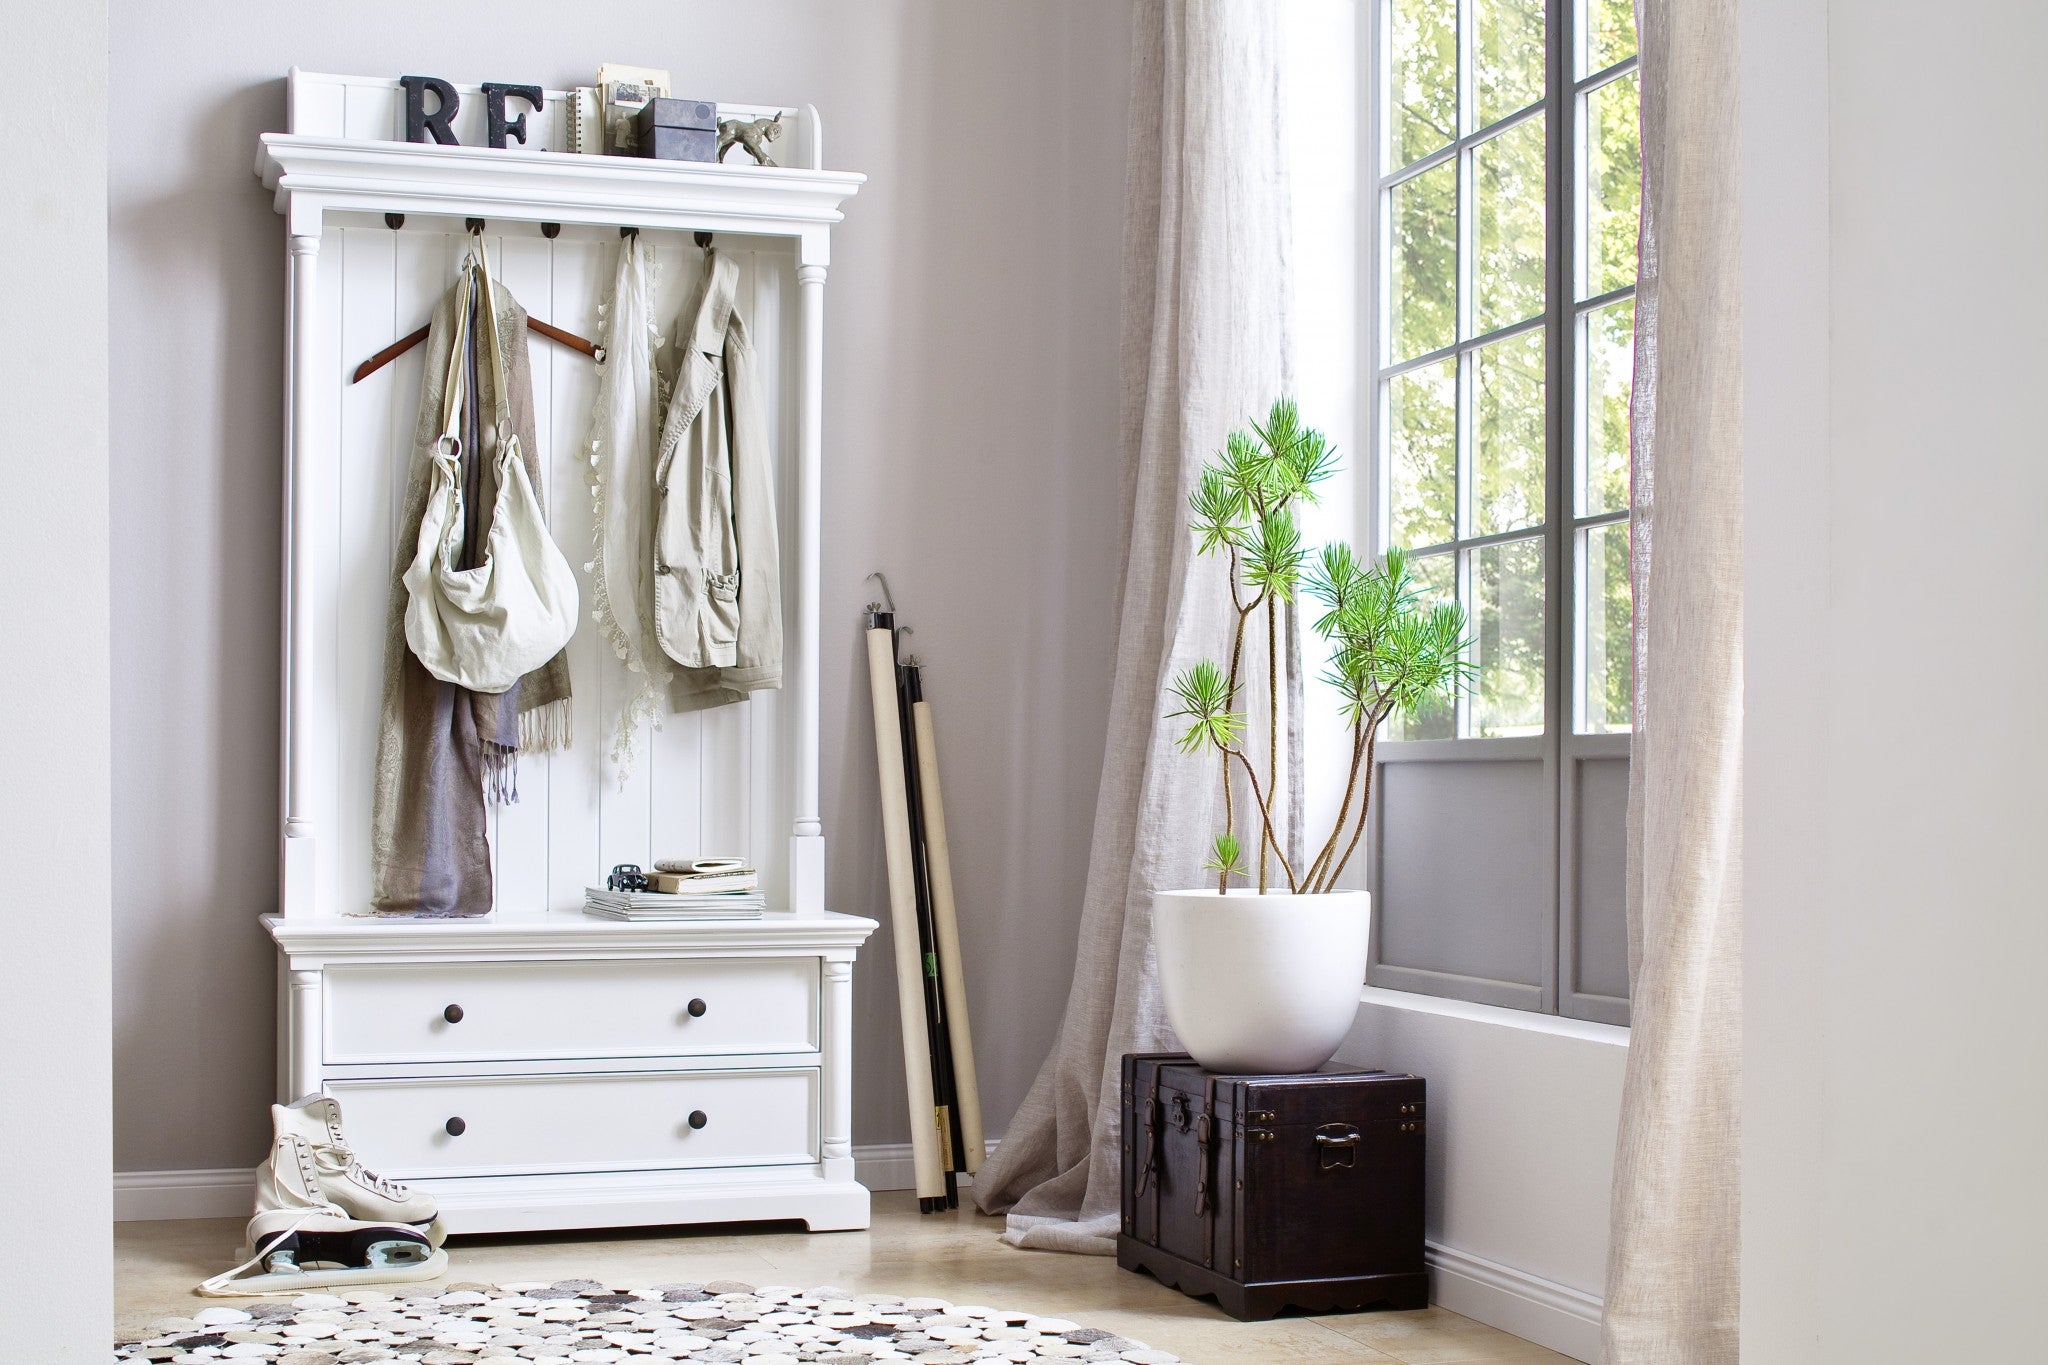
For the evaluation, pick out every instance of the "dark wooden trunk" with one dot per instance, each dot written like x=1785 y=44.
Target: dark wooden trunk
x=1274 y=1192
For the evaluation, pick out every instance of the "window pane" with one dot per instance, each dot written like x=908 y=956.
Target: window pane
x=1609 y=27
x=1507 y=597
x=1422 y=288
x=1507 y=434
x=1607 y=369
x=1507 y=261
x=1614 y=187
x=1422 y=464
x=1606 y=677
x=1507 y=57
x=1436 y=580
x=1422 y=78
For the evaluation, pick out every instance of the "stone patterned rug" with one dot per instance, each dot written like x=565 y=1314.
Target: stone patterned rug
x=579 y=1321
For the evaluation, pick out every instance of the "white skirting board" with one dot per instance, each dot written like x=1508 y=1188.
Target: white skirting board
x=1565 y=1319
x=150 y=1196
x=1539 y=1310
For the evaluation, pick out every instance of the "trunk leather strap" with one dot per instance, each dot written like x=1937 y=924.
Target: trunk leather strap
x=1205 y=1206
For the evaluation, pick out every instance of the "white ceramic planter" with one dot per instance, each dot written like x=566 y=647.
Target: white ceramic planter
x=1258 y=983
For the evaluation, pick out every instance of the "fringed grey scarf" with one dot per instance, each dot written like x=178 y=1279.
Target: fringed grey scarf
x=445 y=754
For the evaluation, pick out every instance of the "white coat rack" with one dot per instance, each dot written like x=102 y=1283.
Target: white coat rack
x=577 y=1087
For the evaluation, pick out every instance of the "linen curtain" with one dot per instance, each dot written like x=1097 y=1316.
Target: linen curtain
x=1204 y=350
x=1673 y=1264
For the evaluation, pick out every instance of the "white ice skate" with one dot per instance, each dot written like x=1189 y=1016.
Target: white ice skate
x=299 y=1240
x=343 y=1180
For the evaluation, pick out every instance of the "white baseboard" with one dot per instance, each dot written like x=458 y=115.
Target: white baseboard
x=150 y=1196
x=889 y=1166
x=1539 y=1310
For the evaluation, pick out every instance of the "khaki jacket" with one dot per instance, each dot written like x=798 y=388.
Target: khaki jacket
x=717 y=565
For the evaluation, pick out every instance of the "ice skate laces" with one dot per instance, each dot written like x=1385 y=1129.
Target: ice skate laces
x=339 y=1158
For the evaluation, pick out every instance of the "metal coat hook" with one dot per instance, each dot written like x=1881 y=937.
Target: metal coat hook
x=475 y=225
x=394 y=221
x=888 y=598
x=626 y=232
x=703 y=239
x=551 y=230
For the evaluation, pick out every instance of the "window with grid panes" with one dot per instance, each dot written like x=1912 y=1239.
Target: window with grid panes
x=1507 y=176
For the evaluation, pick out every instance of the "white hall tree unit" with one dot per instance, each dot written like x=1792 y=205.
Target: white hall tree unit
x=539 y=1068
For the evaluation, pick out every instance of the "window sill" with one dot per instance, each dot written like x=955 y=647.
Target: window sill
x=1613 y=1035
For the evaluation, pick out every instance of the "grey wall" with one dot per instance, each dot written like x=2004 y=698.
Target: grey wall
x=56 y=1254
x=970 y=454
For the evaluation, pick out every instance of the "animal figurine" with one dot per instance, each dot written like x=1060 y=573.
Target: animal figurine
x=751 y=137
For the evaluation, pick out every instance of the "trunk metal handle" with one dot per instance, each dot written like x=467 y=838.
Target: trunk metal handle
x=1337 y=1144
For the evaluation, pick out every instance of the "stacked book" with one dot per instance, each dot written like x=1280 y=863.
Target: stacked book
x=708 y=888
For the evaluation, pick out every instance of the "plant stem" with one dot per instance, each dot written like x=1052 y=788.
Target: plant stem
x=1244 y=612
x=1329 y=849
x=1230 y=690
x=1371 y=739
x=1272 y=726
x=1265 y=826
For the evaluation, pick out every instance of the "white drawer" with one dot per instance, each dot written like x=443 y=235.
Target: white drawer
x=539 y=1125
x=564 y=1009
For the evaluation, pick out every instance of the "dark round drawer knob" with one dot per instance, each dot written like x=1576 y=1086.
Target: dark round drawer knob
x=453 y=1014
x=698 y=1118
x=456 y=1128
x=697 y=1008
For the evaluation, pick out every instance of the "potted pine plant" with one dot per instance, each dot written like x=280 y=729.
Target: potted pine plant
x=1263 y=975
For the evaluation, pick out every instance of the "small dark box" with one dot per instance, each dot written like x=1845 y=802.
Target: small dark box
x=677 y=130
x=678 y=144
x=1274 y=1192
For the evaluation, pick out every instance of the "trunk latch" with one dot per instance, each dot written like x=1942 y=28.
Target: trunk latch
x=1337 y=1145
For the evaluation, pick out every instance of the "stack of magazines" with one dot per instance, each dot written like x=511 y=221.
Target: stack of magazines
x=704 y=888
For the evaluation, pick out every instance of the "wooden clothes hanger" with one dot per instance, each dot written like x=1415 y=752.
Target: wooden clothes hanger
x=412 y=339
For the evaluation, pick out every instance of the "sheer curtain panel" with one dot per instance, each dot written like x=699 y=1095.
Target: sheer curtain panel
x=1204 y=349
x=1672 y=1274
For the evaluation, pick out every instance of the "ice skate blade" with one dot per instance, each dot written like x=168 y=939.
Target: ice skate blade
x=431 y=1267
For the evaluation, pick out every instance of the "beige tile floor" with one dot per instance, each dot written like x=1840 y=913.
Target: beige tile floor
x=957 y=1256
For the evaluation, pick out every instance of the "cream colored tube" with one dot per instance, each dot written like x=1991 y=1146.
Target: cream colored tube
x=946 y=929
x=917 y=1048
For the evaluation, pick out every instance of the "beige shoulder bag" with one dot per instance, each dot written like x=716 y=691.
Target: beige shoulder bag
x=487 y=626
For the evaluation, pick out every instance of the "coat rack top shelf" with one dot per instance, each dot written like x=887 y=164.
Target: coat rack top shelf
x=342 y=155
x=313 y=177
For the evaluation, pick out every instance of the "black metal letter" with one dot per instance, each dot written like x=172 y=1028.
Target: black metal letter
x=418 y=122
x=495 y=124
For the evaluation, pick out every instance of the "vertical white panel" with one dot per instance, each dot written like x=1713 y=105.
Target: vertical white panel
x=369 y=469
x=676 y=787
x=375 y=110
x=769 y=812
x=316 y=105
x=524 y=265
x=325 y=472
x=722 y=821
x=581 y=271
